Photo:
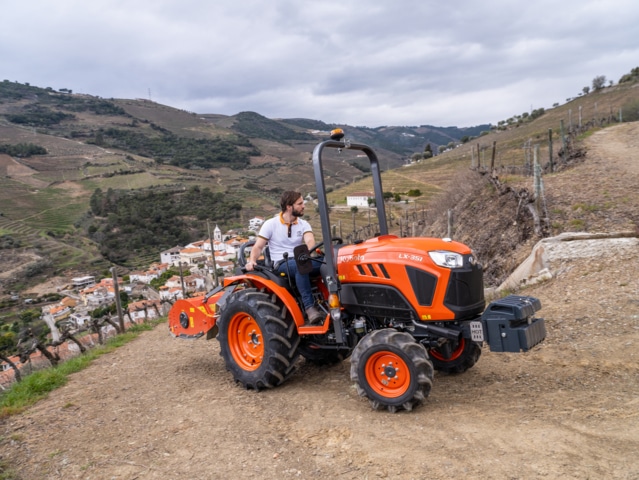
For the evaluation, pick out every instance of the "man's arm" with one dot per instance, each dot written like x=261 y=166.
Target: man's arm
x=256 y=251
x=309 y=239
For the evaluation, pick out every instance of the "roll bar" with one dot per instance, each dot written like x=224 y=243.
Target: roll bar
x=329 y=274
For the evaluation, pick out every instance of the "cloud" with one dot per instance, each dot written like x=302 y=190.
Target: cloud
x=359 y=62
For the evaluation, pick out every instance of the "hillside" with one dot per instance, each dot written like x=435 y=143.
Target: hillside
x=566 y=409
x=137 y=146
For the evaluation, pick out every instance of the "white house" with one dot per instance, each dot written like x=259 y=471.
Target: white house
x=226 y=266
x=79 y=319
x=144 y=309
x=194 y=283
x=98 y=297
x=170 y=293
x=192 y=256
x=143 y=277
x=171 y=256
x=358 y=199
x=83 y=282
x=99 y=294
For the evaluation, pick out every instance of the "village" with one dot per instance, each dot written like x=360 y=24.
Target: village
x=151 y=292
x=180 y=272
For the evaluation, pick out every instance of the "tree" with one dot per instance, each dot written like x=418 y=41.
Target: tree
x=586 y=89
x=598 y=82
x=631 y=77
x=30 y=342
x=428 y=150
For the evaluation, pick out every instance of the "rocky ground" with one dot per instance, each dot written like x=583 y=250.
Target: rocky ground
x=166 y=408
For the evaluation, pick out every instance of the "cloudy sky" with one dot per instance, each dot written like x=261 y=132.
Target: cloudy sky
x=359 y=62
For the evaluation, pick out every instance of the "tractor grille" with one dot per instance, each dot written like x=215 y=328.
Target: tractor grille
x=465 y=292
x=423 y=284
x=376 y=301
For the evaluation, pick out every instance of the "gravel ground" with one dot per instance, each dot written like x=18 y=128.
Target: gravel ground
x=166 y=408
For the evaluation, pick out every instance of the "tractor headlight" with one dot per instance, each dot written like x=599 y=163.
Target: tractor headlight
x=335 y=306
x=447 y=259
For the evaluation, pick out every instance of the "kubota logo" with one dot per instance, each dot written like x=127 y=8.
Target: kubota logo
x=350 y=258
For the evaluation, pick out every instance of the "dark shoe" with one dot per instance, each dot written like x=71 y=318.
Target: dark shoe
x=314 y=315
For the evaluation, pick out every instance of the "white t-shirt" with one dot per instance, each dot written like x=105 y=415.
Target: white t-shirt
x=276 y=232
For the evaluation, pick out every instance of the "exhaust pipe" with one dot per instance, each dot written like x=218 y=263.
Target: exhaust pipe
x=444 y=332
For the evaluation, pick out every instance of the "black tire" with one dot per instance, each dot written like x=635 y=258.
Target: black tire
x=258 y=339
x=464 y=355
x=321 y=356
x=403 y=386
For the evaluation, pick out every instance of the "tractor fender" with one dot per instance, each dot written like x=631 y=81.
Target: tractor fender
x=281 y=292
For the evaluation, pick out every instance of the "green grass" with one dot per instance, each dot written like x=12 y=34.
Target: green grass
x=586 y=207
x=7 y=473
x=37 y=385
x=577 y=224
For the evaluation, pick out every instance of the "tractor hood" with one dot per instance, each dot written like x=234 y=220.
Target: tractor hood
x=414 y=250
x=440 y=278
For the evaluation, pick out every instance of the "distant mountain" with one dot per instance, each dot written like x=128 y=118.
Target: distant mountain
x=400 y=140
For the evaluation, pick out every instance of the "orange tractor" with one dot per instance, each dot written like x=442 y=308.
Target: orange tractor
x=400 y=308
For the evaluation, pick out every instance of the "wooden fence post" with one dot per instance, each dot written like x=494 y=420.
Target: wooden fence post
x=118 y=304
x=550 y=149
x=492 y=159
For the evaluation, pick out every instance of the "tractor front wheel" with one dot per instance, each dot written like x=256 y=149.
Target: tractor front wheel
x=258 y=339
x=392 y=370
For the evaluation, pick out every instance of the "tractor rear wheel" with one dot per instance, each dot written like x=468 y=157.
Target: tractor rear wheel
x=463 y=355
x=392 y=370
x=258 y=339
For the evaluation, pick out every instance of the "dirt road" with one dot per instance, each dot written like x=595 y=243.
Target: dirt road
x=167 y=409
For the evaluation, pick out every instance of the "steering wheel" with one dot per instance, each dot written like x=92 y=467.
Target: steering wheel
x=256 y=268
x=335 y=240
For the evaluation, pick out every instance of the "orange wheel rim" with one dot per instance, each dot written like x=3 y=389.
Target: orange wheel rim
x=245 y=341
x=387 y=374
x=455 y=354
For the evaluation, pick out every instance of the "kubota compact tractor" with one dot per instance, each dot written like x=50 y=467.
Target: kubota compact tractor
x=399 y=307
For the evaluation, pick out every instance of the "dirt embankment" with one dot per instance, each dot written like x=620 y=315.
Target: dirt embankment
x=166 y=408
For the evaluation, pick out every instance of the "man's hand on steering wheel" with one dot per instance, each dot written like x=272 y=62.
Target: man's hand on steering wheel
x=250 y=266
x=318 y=246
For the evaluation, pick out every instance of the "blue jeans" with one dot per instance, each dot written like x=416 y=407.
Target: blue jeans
x=303 y=282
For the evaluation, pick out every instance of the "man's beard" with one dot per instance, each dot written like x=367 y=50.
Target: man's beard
x=297 y=214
